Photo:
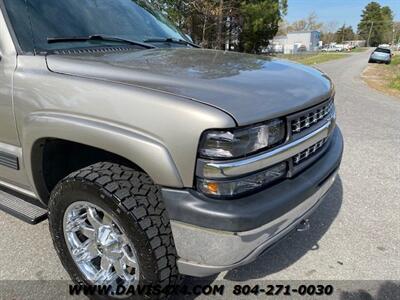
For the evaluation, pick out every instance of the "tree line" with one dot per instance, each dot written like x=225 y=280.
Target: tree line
x=377 y=26
x=248 y=25
x=241 y=25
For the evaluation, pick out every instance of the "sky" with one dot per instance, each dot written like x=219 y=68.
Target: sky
x=342 y=11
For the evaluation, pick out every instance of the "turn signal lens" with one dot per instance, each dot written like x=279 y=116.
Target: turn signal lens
x=237 y=187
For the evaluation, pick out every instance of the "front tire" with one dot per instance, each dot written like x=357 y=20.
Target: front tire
x=127 y=206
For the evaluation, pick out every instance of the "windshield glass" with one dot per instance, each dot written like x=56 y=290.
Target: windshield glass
x=126 y=19
x=382 y=50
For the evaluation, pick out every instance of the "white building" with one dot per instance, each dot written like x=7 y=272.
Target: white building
x=297 y=41
x=357 y=43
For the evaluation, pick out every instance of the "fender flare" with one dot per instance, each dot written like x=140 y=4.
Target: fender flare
x=141 y=149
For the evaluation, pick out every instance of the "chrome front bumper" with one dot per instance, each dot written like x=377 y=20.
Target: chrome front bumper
x=203 y=252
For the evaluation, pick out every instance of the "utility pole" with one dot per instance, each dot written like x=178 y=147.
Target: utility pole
x=343 y=31
x=370 y=32
x=394 y=33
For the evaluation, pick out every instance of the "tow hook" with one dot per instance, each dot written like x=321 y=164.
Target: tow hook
x=303 y=225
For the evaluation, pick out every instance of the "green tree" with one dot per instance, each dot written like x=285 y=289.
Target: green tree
x=387 y=25
x=246 y=24
x=376 y=24
x=178 y=11
x=260 y=23
x=196 y=18
x=396 y=33
x=344 y=34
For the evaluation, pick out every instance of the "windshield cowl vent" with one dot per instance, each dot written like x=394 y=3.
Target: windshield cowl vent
x=98 y=50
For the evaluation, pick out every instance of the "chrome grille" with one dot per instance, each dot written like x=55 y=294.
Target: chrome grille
x=297 y=159
x=311 y=117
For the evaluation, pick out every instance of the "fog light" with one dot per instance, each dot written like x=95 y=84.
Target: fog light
x=237 y=187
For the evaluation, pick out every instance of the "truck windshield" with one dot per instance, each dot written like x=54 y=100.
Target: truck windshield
x=35 y=22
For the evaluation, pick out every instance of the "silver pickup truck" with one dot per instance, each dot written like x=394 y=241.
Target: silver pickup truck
x=150 y=156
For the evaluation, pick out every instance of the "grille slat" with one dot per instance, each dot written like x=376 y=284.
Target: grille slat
x=311 y=118
x=302 y=156
x=304 y=122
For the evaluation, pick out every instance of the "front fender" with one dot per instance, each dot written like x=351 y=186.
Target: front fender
x=143 y=150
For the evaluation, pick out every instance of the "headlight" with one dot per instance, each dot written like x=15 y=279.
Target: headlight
x=242 y=141
x=234 y=188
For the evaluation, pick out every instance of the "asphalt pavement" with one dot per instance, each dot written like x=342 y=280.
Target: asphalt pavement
x=354 y=235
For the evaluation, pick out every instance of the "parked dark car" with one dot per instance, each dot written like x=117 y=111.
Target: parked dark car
x=381 y=55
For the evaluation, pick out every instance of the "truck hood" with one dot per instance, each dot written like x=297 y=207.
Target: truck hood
x=250 y=88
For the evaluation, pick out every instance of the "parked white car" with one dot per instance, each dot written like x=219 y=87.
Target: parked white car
x=331 y=49
x=341 y=47
x=385 y=46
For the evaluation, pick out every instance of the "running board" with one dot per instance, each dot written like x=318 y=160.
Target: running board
x=21 y=209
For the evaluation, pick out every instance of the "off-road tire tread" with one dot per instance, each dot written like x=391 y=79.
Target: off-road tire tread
x=141 y=199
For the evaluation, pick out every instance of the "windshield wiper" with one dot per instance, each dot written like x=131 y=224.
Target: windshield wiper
x=171 y=40
x=98 y=37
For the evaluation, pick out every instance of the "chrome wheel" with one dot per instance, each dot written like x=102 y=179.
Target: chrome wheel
x=99 y=247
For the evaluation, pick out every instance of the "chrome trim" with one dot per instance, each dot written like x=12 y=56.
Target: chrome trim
x=299 y=158
x=217 y=170
x=10 y=149
x=309 y=118
x=9 y=160
x=10 y=156
x=203 y=252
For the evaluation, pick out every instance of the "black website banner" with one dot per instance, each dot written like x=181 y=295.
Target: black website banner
x=209 y=289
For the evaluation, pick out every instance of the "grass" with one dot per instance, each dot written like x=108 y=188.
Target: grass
x=312 y=59
x=395 y=70
x=395 y=67
x=396 y=59
x=395 y=83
